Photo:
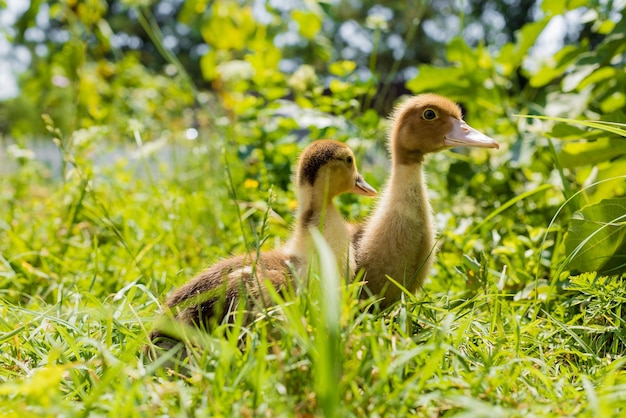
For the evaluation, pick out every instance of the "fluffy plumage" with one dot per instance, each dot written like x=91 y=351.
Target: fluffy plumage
x=326 y=169
x=398 y=239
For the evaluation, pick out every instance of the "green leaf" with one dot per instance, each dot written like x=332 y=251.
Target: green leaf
x=337 y=86
x=616 y=128
x=560 y=63
x=576 y=154
x=527 y=36
x=447 y=81
x=604 y=189
x=554 y=7
x=459 y=51
x=208 y=65
x=596 y=240
x=309 y=23
x=230 y=27
x=40 y=385
x=545 y=76
x=573 y=80
x=614 y=102
x=511 y=56
x=342 y=68
x=508 y=204
x=597 y=77
x=567 y=132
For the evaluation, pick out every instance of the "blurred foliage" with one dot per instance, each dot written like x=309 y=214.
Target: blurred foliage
x=311 y=33
x=256 y=78
x=597 y=238
x=178 y=123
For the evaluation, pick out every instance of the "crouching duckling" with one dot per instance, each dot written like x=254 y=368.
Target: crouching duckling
x=325 y=170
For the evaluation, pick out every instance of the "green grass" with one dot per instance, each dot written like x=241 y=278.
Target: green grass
x=85 y=263
x=501 y=328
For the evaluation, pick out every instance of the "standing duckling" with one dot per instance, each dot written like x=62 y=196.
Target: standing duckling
x=326 y=169
x=398 y=239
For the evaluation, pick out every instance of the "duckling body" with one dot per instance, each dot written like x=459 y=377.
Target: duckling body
x=326 y=169
x=398 y=239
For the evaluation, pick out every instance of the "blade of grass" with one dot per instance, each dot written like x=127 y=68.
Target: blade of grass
x=602 y=125
x=571 y=333
x=507 y=205
x=328 y=335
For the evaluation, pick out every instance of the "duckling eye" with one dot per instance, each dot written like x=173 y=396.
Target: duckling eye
x=349 y=160
x=429 y=114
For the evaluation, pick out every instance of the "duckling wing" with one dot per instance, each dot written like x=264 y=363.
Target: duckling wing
x=219 y=290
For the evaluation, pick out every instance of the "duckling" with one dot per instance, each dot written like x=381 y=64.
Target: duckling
x=326 y=169
x=398 y=239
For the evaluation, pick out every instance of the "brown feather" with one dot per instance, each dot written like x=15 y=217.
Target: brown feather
x=326 y=169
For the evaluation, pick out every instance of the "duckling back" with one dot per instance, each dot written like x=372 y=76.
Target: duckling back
x=325 y=170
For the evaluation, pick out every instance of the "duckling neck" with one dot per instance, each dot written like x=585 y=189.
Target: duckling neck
x=312 y=208
x=399 y=239
x=320 y=213
x=405 y=199
x=407 y=183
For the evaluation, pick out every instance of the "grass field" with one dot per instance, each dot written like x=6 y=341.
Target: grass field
x=162 y=171
x=500 y=329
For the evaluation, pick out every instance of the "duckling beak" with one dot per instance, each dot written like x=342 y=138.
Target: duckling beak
x=463 y=135
x=361 y=187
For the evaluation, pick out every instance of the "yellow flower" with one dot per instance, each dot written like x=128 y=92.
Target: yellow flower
x=292 y=204
x=250 y=184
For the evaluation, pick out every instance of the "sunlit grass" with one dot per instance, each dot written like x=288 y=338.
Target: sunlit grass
x=86 y=262
x=88 y=254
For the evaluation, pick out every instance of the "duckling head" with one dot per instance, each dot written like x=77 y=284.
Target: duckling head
x=329 y=168
x=429 y=123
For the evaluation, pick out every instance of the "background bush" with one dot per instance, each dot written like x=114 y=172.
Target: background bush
x=150 y=139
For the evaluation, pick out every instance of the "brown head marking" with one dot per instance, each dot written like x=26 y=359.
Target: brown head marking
x=315 y=157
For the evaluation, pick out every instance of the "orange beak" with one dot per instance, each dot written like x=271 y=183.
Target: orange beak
x=362 y=187
x=463 y=135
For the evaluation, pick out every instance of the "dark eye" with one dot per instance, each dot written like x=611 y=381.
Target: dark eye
x=429 y=114
x=349 y=160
